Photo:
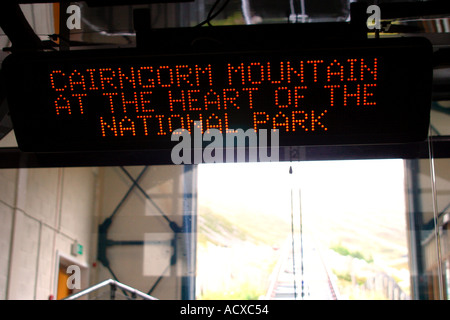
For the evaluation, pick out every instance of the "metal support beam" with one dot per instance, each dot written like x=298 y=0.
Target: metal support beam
x=402 y=10
x=419 y=283
x=103 y=228
x=104 y=242
x=17 y=28
x=187 y=238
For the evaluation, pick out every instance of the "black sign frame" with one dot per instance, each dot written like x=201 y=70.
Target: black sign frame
x=406 y=78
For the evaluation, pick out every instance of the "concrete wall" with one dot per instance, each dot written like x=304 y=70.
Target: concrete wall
x=42 y=212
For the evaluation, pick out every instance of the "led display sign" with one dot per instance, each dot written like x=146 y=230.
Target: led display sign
x=375 y=92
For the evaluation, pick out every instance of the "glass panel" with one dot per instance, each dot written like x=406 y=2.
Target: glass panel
x=328 y=230
x=428 y=199
x=338 y=225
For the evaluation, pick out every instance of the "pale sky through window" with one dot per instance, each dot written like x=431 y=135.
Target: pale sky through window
x=370 y=186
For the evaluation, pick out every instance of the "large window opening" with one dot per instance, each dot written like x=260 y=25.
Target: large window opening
x=329 y=229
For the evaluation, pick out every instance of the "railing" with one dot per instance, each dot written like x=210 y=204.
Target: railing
x=114 y=285
x=385 y=285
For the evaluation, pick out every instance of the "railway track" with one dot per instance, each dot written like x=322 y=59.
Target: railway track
x=294 y=280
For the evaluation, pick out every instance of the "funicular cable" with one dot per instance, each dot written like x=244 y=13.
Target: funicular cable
x=293 y=239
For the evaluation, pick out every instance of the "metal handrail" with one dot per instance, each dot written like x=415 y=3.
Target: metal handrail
x=114 y=285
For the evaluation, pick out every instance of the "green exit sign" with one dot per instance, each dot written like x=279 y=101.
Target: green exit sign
x=77 y=249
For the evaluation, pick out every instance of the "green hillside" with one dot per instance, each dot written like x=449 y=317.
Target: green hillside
x=224 y=228
x=236 y=253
